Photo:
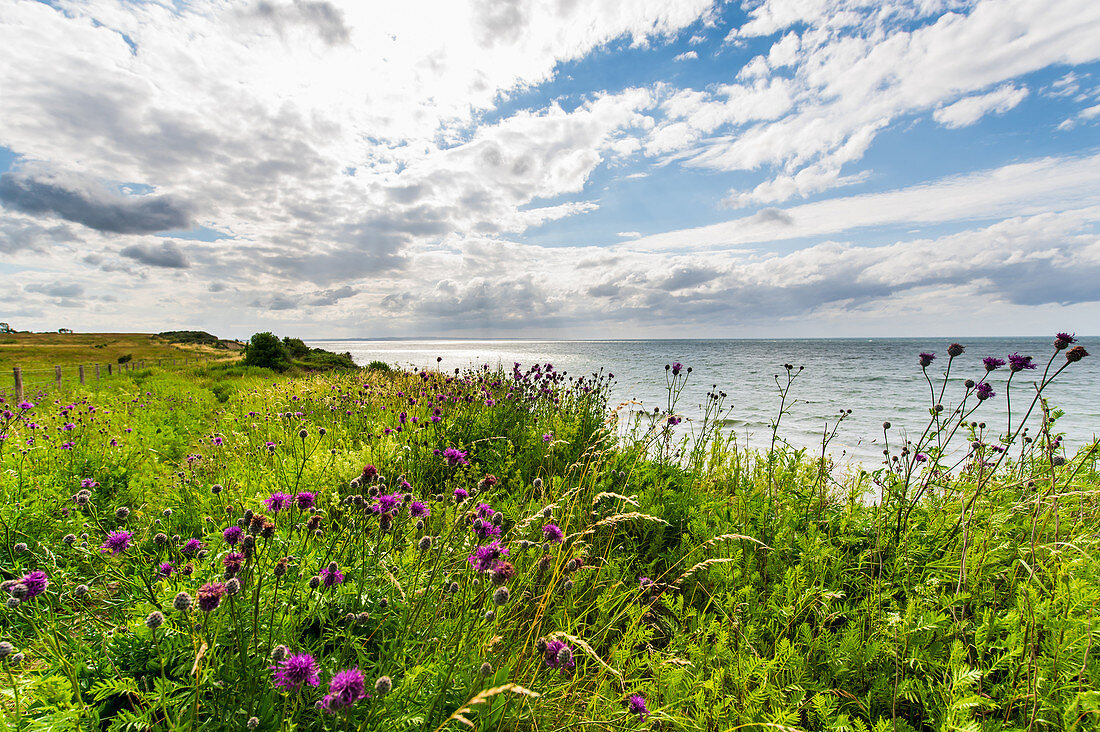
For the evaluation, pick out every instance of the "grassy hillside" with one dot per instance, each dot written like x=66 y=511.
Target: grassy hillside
x=225 y=547
x=46 y=350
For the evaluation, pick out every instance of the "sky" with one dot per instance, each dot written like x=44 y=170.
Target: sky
x=557 y=168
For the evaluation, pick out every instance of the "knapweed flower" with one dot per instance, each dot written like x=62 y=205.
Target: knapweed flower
x=1076 y=353
x=926 y=359
x=461 y=494
x=26 y=405
x=192 y=546
x=210 y=596
x=232 y=534
x=387 y=503
x=165 y=569
x=485 y=558
x=484 y=511
x=331 y=575
x=455 y=457
x=955 y=349
x=1016 y=362
x=277 y=501
x=484 y=529
x=985 y=391
x=1063 y=341
x=117 y=542
x=992 y=363
x=636 y=705
x=233 y=561
x=553 y=533
x=36 y=583
x=345 y=688
x=676 y=368
x=154 y=620
x=500 y=596
x=182 y=602
x=559 y=655
x=383 y=685
x=306 y=500
x=418 y=509
x=920 y=457
x=296 y=670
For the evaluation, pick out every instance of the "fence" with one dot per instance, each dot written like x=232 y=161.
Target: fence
x=82 y=374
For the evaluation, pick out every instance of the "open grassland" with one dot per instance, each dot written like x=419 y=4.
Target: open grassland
x=225 y=548
x=36 y=351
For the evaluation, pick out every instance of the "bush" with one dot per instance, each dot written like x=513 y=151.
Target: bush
x=378 y=366
x=126 y=358
x=267 y=351
x=296 y=348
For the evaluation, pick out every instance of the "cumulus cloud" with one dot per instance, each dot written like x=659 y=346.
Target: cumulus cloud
x=166 y=255
x=971 y=109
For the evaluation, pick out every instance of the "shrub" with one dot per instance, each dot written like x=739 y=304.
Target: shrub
x=126 y=358
x=266 y=350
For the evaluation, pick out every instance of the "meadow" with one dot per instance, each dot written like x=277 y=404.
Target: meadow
x=224 y=546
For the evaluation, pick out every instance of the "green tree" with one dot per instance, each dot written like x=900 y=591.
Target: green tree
x=266 y=350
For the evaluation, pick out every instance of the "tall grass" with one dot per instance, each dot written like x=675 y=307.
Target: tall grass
x=385 y=550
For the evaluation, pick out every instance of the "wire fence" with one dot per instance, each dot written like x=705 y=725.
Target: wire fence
x=39 y=381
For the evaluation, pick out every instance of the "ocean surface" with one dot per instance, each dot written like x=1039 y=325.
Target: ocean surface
x=878 y=379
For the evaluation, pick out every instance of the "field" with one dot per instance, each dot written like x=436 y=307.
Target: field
x=35 y=351
x=223 y=547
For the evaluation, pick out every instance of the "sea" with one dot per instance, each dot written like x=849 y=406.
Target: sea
x=878 y=379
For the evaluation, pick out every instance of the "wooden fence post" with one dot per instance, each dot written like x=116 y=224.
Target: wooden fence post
x=97 y=372
x=18 y=384
x=81 y=369
x=108 y=369
x=57 y=376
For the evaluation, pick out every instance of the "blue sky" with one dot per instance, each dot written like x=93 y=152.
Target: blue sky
x=599 y=169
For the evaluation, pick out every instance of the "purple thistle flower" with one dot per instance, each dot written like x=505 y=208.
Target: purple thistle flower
x=36 y=583
x=331 y=575
x=461 y=495
x=484 y=529
x=644 y=583
x=306 y=500
x=277 y=501
x=232 y=534
x=920 y=457
x=926 y=359
x=636 y=704
x=553 y=533
x=117 y=542
x=992 y=363
x=676 y=368
x=233 y=561
x=210 y=596
x=26 y=405
x=485 y=558
x=296 y=670
x=1063 y=341
x=165 y=569
x=484 y=511
x=1016 y=362
x=387 y=503
x=559 y=655
x=192 y=546
x=985 y=391
x=418 y=509
x=345 y=688
x=455 y=457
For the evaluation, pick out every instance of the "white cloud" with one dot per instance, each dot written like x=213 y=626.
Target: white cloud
x=629 y=234
x=686 y=56
x=969 y=110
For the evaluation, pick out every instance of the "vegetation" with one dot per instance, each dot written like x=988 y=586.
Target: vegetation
x=231 y=548
x=265 y=350
x=34 y=351
x=195 y=337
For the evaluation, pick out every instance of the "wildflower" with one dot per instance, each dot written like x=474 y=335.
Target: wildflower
x=13 y=602
x=537 y=483
x=644 y=583
x=210 y=596
x=281 y=567
x=636 y=705
x=232 y=535
x=418 y=509
x=553 y=533
x=122 y=513
x=559 y=655
x=485 y=558
x=383 y=685
x=277 y=501
x=296 y=670
x=1076 y=353
x=192 y=546
x=6 y=649
x=80 y=590
x=88 y=483
x=676 y=368
x=36 y=583
x=331 y=575
x=117 y=542
x=233 y=586
x=387 y=503
x=165 y=569
x=455 y=457
x=985 y=391
x=486 y=669
x=69 y=539
x=253 y=722
x=500 y=596
x=20 y=548
x=1016 y=362
x=955 y=349
x=233 y=561
x=992 y=363
x=926 y=359
x=278 y=653
x=345 y=688
x=502 y=572
x=920 y=457
x=424 y=544
x=182 y=602
x=306 y=500
x=160 y=539
x=460 y=495
x=485 y=529
x=154 y=620
x=216 y=489
x=1063 y=341
x=26 y=405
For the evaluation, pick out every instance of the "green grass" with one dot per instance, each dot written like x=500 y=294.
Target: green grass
x=35 y=351
x=731 y=589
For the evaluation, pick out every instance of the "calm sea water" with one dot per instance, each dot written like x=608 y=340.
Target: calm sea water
x=878 y=379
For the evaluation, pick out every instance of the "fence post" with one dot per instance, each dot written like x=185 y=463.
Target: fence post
x=108 y=369
x=57 y=376
x=97 y=372
x=18 y=384
x=80 y=368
